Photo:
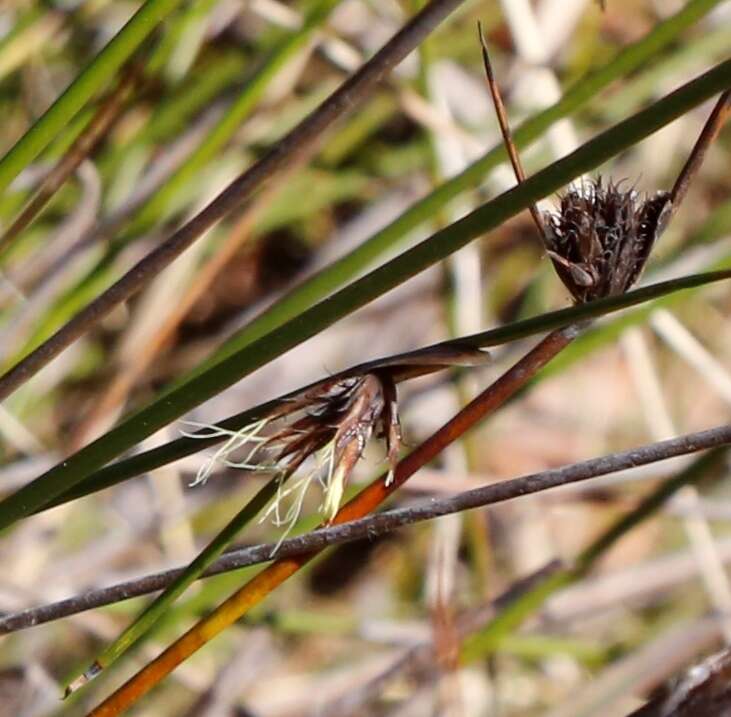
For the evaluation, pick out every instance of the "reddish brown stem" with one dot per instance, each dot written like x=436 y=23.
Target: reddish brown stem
x=710 y=131
x=502 y=117
x=486 y=403
x=365 y=502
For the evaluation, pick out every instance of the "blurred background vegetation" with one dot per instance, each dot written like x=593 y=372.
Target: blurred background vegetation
x=211 y=88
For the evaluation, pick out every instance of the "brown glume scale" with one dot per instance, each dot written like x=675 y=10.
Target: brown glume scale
x=601 y=236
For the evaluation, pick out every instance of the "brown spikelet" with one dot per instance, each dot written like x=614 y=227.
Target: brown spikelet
x=328 y=425
x=336 y=417
x=601 y=236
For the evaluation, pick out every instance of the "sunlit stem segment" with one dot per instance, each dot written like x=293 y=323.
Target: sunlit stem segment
x=365 y=502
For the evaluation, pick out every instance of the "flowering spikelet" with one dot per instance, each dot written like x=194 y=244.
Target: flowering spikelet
x=331 y=422
x=320 y=432
x=601 y=237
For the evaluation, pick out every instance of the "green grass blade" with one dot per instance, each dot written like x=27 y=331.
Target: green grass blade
x=99 y=73
x=349 y=266
x=485 y=218
x=174 y=450
x=488 y=640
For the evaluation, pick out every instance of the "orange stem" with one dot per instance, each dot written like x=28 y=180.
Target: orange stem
x=254 y=591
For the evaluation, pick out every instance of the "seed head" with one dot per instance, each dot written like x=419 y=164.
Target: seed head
x=601 y=237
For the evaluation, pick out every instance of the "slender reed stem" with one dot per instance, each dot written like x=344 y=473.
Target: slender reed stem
x=713 y=125
x=379 y=524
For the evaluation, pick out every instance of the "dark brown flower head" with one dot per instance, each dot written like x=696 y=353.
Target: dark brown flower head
x=601 y=236
x=330 y=422
x=326 y=427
